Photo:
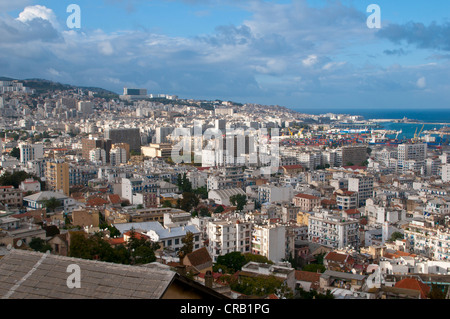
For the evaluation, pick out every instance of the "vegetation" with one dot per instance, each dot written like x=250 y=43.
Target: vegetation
x=261 y=286
x=238 y=200
x=312 y=294
x=51 y=204
x=39 y=244
x=188 y=246
x=14 y=179
x=396 y=235
x=136 y=251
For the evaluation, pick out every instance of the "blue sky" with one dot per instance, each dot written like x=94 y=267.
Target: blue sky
x=295 y=53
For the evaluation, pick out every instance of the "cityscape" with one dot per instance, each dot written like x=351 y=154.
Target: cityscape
x=149 y=194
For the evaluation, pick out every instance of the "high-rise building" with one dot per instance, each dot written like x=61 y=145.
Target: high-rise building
x=118 y=156
x=57 y=176
x=97 y=155
x=363 y=185
x=131 y=136
x=161 y=134
x=88 y=144
x=354 y=154
x=85 y=107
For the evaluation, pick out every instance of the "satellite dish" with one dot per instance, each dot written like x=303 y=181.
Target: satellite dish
x=9 y=247
x=19 y=243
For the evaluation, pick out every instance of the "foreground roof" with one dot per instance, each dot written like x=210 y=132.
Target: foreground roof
x=33 y=275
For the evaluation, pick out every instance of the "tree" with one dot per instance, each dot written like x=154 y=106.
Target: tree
x=396 y=235
x=238 y=200
x=436 y=292
x=219 y=209
x=232 y=262
x=51 y=204
x=312 y=294
x=188 y=246
x=15 y=152
x=39 y=244
x=257 y=258
x=314 y=268
x=261 y=286
x=189 y=201
x=142 y=250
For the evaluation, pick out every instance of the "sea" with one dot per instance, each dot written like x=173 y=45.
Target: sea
x=431 y=119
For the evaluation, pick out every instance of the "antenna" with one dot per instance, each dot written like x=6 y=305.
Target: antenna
x=9 y=247
x=19 y=243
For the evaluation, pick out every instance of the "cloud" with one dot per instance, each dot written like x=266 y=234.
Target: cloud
x=31 y=13
x=421 y=83
x=397 y=52
x=433 y=36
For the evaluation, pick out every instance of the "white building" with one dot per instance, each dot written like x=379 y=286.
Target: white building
x=222 y=197
x=269 y=241
x=333 y=231
x=228 y=236
x=97 y=155
x=31 y=152
x=268 y=193
x=118 y=156
x=363 y=185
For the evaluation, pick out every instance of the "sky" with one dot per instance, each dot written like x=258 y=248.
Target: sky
x=301 y=54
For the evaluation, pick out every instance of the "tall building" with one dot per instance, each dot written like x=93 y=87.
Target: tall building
x=85 y=107
x=31 y=152
x=131 y=136
x=97 y=155
x=161 y=134
x=57 y=176
x=88 y=144
x=333 y=230
x=134 y=94
x=354 y=154
x=118 y=156
x=363 y=185
x=411 y=157
x=269 y=241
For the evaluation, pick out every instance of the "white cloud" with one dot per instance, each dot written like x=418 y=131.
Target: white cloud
x=421 y=83
x=105 y=48
x=38 y=12
x=310 y=60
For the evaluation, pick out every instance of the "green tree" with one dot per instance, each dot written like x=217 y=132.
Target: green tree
x=257 y=258
x=232 y=262
x=142 y=251
x=238 y=200
x=312 y=294
x=189 y=201
x=262 y=286
x=314 y=268
x=219 y=209
x=15 y=152
x=188 y=246
x=396 y=235
x=39 y=244
x=436 y=292
x=51 y=204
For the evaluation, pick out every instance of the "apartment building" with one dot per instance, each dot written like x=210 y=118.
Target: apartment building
x=306 y=202
x=424 y=239
x=333 y=231
x=228 y=236
x=363 y=185
x=10 y=196
x=346 y=199
x=269 y=241
x=268 y=193
x=31 y=152
x=57 y=176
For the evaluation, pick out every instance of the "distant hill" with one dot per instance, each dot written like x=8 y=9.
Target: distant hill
x=43 y=86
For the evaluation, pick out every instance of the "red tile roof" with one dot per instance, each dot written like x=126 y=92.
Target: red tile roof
x=352 y=211
x=96 y=201
x=306 y=196
x=414 y=284
x=114 y=199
